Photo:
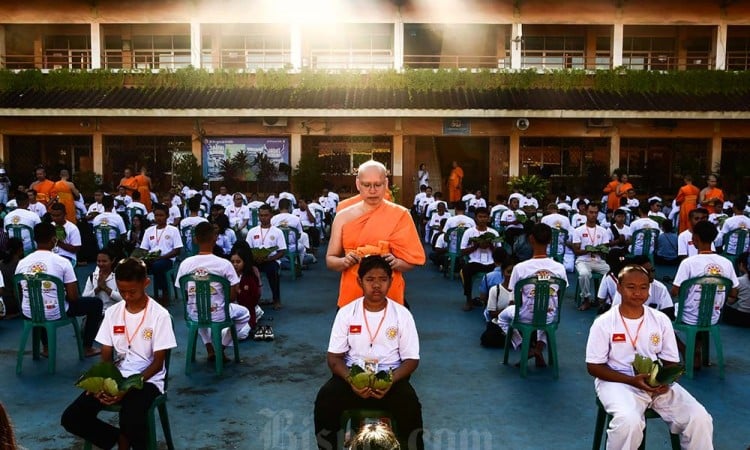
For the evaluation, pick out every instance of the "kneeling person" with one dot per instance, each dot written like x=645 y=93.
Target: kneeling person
x=135 y=334
x=374 y=331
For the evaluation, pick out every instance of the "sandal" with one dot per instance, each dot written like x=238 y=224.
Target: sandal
x=268 y=333
x=260 y=333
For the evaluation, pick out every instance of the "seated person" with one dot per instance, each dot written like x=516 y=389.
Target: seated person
x=495 y=277
x=206 y=262
x=666 y=245
x=135 y=335
x=479 y=255
x=44 y=261
x=439 y=247
x=393 y=344
x=737 y=309
x=608 y=286
x=615 y=338
x=102 y=282
x=658 y=294
x=498 y=299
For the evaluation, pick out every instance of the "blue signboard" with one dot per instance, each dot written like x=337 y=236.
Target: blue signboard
x=216 y=150
x=457 y=127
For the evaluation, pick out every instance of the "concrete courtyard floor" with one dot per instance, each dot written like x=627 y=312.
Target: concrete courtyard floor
x=470 y=400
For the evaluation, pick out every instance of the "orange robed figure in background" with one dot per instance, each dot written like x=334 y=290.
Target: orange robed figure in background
x=128 y=181
x=144 y=187
x=613 y=201
x=687 y=199
x=711 y=197
x=455 y=183
x=373 y=226
x=45 y=188
x=622 y=189
x=67 y=194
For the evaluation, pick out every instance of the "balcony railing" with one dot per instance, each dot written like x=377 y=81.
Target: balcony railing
x=738 y=60
x=147 y=59
x=668 y=61
x=50 y=59
x=247 y=59
x=556 y=60
x=455 y=62
x=349 y=59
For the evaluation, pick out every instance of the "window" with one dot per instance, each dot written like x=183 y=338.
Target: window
x=738 y=53
x=649 y=53
x=661 y=163
x=553 y=52
x=562 y=157
x=342 y=155
x=351 y=47
x=161 y=51
x=67 y=52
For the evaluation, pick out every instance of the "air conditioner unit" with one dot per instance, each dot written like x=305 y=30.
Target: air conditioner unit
x=599 y=123
x=274 y=121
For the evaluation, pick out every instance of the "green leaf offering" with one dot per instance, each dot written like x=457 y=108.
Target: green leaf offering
x=658 y=374
x=382 y=380
x=486 y=238
x=261 y=254
x=145 y=255
x=521 y=217
x=360 y=379
x=597 y=248
x=106 y=377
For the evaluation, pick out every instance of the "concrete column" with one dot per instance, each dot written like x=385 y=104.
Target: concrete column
x=196 y=44
x=720 y=47
x=295 y=149
x=715 y=154
x=398 y=156
x=197 y=148
x=617 y=42
x=516 y=37
x=398 y=44
x=2 y=47
x=515 y=153
x=98 y=151
x=614 y=151
x=4 y=153
x=295 y=46
x=96 y=46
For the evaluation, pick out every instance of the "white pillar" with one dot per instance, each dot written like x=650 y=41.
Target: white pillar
x=516 y=44
x=614 y=151
x=398 y=44
x=96 y=47
x=721 y=47
x=196 y=44
x=295 y=46
x=617 y=42
x=295 y=150
x=398 y=156
x=2 y=46
x=715 y=154
x=515 y=154
x=98 y=152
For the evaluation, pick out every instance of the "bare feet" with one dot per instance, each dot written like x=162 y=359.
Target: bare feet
x=277 y=306
x=44 y=353
x=585 y=305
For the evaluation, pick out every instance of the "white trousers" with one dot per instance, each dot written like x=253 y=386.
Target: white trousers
x=585 y=269
x=680 y=410
x=241 y=318
x=506 y=317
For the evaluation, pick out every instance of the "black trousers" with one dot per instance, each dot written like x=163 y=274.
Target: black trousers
x=336 y=396
x=80 y=418
x=314 y=234
x=271 y=269
x=91 y=308
x=735 y=317
x=471 y=269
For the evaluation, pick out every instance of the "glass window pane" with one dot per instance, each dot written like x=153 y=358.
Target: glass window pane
x=142 y=42
x=533 y=42
x=163 y=42
x=554 y=43
x=603 y=43
x=574 y=43
x=663 y=44
x=181 y=41
x=232 y=42
x=113 y=42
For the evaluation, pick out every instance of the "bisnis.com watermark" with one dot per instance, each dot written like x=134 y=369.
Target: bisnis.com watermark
x=287 y=430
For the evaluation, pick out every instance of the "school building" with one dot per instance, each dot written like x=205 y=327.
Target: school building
x=574 y=137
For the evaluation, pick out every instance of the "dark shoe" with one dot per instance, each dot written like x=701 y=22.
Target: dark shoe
x=585 y=305
x=268 y=333
x=260 y=333
x=476 y=301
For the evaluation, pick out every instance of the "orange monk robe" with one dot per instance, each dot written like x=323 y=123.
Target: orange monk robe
x=623 y=193
x=687 y=198
x=130 y=184
x=44 y=191
x=358 y=198
x=143 y=188
x=714 y=193
x=65 y=196
x=613 y=201
x=454 y=184
x=388 y=222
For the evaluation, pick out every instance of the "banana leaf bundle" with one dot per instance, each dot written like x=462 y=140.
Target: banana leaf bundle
x=106 y=377
x=658 y=374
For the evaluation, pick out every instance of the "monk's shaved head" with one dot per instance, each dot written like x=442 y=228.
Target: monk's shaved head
x=372 y=165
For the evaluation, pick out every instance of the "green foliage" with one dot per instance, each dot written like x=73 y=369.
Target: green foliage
x=539 y=187
x=306 y=178
x=187 y=169
x=87 y=181
x=266 y=171
x=233 y=170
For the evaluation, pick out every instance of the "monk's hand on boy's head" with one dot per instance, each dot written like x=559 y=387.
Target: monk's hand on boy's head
x=351 y=259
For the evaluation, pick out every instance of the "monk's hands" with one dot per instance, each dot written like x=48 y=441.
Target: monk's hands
x=350 y=259
x=392 y=261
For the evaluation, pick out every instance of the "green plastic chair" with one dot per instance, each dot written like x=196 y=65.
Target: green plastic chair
x=709 y=287
x=495 y=221
x=291 y=237
x=453 y=238
x=320 y=220
x=103 y=234
x=353 y=419
x=559 y=238
x=596 y=279
x=740 y=236
x=160 y=404
x=543 y=288
x=602 y=423
x=190 y=248
x=649 y=237
x=203 y=290
x=253 y=222
x=35 y=284
x=17 y=231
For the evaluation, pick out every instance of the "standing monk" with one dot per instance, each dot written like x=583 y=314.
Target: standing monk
x=711 y=197
x=144 y=187
x=128 y=182
x=66 y=194
x=455 y=183
x=373 y=225
x=687 y=200
x=44 y=187
x=622 y=188
x=613 y=201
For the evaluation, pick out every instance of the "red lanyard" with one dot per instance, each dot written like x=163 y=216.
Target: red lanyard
x=632 y=341
x=143 y=318
x=367 y=325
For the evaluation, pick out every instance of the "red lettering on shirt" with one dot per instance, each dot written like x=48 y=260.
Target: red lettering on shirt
x=118 y=329
x=256 y=237
x=618 y=337
x=585 y=235
x=355 y=329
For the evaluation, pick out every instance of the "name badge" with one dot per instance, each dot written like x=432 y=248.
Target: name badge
x=118 y=329
x=618 y=337
x=355 y=329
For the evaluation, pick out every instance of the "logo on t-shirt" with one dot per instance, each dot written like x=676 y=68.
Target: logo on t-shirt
x=148 y=333
x=713 y=269
x=618 y=337
x=15 y=220
x=654 y=339
x=118 y=329
x=355 y=329
x=38 y=267
x=391 y=333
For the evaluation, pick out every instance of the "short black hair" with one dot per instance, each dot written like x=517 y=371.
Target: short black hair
x=136 y=195
x=542 y=233
x=194 y=204
x=373 y=262
x=265 y=207
x=285 y=203
x=692 y=213
x=44 y=232
x=161 y=207
x=204 y=232
x=57 y=207
x=481 y=210
x=108 y=202
x=706 y=231
x=740 y=202
x=131 y=269
x=499 y=255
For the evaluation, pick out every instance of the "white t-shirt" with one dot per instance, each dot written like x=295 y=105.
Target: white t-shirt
x=210 y=264
x=138 y=206
x=498 y=298
x=496 y=213
x=590 y=236
x=287 y=220
x=731 y=224
x=303 y=217
x=224 y=200
x=121 y=202
x=480 y=255
x=165 y=239
x=112 y=220
x=461 y=220
x=510 y=216
x=477 y=203
x=259 y=237
x=95 y=208
x=424 y=203
x=155 y=333
x=289 y=196
x=43 y=261
x=608 y=288
x=174 y=215
x=560 y=222
x=528 y=201
x=578 y=220
x=394 y=341
x=273 y=201
x=23 y=217
x=435 y=219
x=433 y=206
x=658 y=297
x=37 y=208
x=532 y=268
x=318 y=211
x=327 y=203
x=609 y=343
x=643 y=224
x=226 y=240
x=624 y=232
x=72 y=237
x=92 y=281
x=698 y=266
